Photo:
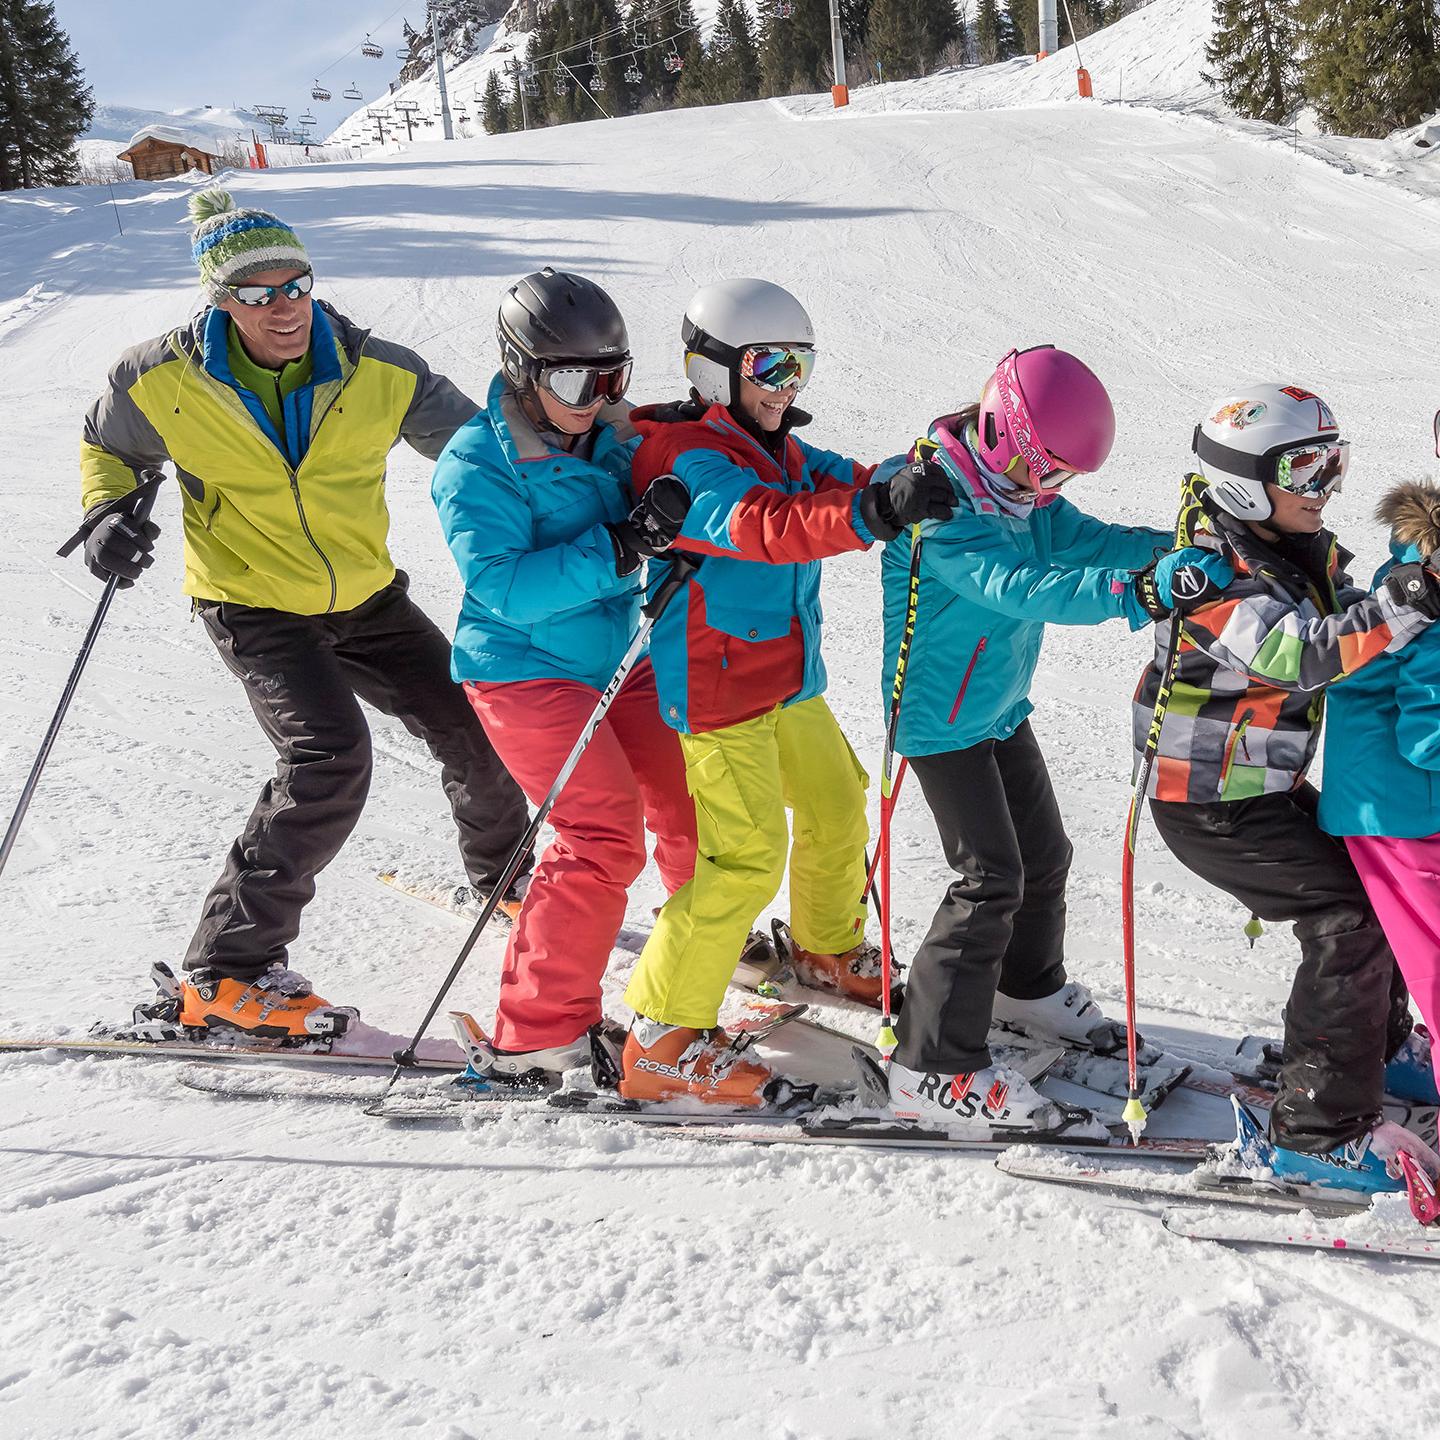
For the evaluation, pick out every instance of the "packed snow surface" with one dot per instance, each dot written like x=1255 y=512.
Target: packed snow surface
x=174 y=1266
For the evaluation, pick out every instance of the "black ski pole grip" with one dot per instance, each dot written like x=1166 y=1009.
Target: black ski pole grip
x=137 y=503
x=681 y=569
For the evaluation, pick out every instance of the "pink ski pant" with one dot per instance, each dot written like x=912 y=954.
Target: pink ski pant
x=1402 y=879
x=630 y=778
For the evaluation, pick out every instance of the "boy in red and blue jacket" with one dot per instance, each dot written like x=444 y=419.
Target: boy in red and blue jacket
x=740 y=676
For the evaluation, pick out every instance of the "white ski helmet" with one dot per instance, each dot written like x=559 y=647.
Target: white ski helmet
x=1240 y=443
x=723 y=320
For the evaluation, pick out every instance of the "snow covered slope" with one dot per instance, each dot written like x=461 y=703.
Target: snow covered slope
x=174 y=1266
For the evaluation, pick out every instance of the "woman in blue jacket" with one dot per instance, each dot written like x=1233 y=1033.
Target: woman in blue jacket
x=1382 y=787
x=1012 y=558
x=534 y=498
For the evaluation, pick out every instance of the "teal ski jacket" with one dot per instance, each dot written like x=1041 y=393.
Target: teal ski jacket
x=989 y=584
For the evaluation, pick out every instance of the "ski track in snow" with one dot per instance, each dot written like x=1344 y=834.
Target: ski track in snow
x=175 y=1266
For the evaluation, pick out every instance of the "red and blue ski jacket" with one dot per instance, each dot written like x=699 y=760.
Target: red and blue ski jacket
x=744 y=635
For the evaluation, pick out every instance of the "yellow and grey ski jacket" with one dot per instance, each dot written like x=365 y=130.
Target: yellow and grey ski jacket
x=291 y=521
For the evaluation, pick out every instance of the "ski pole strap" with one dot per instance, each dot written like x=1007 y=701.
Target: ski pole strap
x=136 y=503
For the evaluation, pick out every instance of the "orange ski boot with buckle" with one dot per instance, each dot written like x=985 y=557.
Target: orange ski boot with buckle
x=277 y=1005
x=854 y=973
x=675 y=1062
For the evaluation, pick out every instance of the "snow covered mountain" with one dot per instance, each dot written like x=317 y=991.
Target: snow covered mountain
x=172 y=1265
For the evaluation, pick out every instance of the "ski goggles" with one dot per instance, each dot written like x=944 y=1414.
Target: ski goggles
x=1314 y=469
x=580 y=386
x=777 y=367
x=294 y=289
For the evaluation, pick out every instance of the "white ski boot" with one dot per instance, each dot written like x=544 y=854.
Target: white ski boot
x=1069 y=1016
x=527 y=1071
x=995 y=1098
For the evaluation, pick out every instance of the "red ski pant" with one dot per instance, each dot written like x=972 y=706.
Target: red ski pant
x=630 y=778
x=1402 y=881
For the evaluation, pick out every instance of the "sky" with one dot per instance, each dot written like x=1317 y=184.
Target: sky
x=175 y=54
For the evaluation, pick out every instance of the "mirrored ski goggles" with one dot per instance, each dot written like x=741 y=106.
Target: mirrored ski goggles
x=1052 y=479
x=777 y=367
x=580 y=386
x=1313 y=469
x=265 y=294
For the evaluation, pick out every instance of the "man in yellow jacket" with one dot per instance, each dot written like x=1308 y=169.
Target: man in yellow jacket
x=278 y=414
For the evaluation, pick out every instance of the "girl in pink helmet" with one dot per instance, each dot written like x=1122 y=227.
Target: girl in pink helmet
x=1014 y=557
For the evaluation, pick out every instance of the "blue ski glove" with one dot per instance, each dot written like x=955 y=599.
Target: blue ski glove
x=1185 y=580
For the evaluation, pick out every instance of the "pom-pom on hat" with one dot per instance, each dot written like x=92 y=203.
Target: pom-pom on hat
x=230 y=244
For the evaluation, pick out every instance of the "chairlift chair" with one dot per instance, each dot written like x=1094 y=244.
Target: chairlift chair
x=371 y=51
x=632 y=75
x=353 y=93
x=785 y=10
x=307 y=119
x=403 y=53
x=674 y=62
x=319 y=92
x=562 y=85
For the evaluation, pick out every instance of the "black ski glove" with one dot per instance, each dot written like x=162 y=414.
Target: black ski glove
x=653 y=525
x=1417 y=586
x=922 y=491
x=118 y=544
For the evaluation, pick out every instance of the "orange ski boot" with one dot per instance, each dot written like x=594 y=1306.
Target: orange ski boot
x=855 y=973
x=277 y=1005
x=675 y=1062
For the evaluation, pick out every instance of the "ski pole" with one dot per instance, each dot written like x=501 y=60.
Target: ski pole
x=681 y=569
x=140 y=499
x=889 y=788
x=1134 y=1112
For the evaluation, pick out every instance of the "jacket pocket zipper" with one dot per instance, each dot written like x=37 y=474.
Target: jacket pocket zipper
x=965 y=683
x=1238 y=738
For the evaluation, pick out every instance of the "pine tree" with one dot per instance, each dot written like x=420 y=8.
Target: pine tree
x=795 y=50
x=496 y=115
x=732 y=61
x=1370 y=66
x=897 y=37
x=642 y=37
x=988 y=36
x=1251 y=54
x=942 y=27
x=45 y=104
x=1025 y=26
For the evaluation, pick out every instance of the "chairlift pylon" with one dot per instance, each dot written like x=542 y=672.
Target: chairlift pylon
x=319 y=92
x=371 y=51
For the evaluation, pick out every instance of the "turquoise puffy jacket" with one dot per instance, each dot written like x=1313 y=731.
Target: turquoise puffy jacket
x=989 y=584
x=526 y=525
x=1382 y=740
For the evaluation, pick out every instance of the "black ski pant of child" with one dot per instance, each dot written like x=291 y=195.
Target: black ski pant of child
x=305 y=676
x=1002 y=922
x=1348 y=1010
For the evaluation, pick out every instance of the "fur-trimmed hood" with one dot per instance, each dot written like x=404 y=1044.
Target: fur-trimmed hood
x=1412 y=511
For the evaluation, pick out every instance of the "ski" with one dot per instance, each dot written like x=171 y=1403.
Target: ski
x=441 y=892
x=226 y=1054
x=1311 y=1231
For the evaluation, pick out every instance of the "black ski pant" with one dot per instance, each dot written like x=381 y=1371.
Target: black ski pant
x=1002 y=922
x=302 y=675
x=1348 y=1010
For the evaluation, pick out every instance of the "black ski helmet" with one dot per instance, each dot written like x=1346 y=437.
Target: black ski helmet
x=553 y=316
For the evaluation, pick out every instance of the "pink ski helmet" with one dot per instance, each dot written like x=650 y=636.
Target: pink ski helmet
x=1047 y=407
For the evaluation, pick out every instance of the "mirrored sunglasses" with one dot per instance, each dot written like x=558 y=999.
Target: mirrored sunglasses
x=580 y=386
x=265 y=294
x=1313 y=469
x=778 y=367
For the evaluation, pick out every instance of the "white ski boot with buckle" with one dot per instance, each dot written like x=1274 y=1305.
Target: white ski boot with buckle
x=528 y=1071
x=1069 y=1016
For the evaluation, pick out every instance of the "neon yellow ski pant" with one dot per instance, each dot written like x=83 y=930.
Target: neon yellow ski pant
x=743 y=778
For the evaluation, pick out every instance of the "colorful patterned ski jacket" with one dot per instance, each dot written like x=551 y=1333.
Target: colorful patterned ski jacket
x=744 y=636
x=526 y=525
x=294 y=521
x=989 y=584
x=1244 y=715
x=1382 y=740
